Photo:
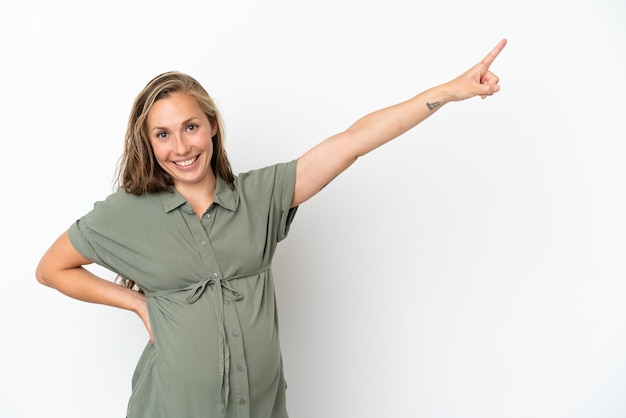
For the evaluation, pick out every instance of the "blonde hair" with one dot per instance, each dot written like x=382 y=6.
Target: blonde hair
x=138 y=170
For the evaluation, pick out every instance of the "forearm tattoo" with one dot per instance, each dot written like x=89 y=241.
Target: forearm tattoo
x=433 y=106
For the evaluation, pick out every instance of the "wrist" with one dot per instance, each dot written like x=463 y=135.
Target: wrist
x=137 y=300
x=436 y=97
x=444 y=93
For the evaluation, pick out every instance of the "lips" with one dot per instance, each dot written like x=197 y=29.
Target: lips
x=186 y=163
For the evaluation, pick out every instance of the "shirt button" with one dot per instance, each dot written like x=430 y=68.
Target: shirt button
x=235 y=334
x=214 y=275
x=242 y=401
x=203 y=244
x=208 y=216
x=239 y=368
x=226 y=302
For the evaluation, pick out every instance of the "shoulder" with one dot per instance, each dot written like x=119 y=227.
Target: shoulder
x=123 y=204
x=121 y=199
x=267 y=184
x=269 y=174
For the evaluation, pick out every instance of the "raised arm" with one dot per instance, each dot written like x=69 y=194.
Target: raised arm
x=61 y=268
x=320 y=165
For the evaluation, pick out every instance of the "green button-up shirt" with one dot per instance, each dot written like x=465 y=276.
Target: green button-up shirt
x=209 y=289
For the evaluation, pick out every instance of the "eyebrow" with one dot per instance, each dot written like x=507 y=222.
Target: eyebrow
x=185 y=122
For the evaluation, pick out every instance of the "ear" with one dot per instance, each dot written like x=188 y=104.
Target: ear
x=213 y=128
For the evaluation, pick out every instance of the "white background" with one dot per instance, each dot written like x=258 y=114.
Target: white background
x=472 y=268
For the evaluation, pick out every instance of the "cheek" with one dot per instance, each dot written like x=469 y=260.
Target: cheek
x=159 y=151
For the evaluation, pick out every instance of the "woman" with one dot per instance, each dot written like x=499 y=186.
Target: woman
x=198 y=243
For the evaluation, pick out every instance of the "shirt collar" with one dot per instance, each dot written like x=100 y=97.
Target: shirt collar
x=225 y=196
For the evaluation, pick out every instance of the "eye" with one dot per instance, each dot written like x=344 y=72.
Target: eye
x=161 y=135
x=192 y=127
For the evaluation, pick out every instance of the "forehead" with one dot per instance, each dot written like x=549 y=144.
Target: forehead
x=174 y=109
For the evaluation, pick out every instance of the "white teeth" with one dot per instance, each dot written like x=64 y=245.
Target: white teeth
x=185 y=163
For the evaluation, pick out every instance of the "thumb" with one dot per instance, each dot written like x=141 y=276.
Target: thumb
x=489 y=89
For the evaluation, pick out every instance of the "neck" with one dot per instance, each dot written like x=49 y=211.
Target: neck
x=199 y=195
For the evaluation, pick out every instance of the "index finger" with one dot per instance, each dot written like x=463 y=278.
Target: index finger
x=494 y=53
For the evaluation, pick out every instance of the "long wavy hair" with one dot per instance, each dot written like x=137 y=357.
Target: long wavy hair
x=138 y=171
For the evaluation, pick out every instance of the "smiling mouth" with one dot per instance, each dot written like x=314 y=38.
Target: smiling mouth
x=186 y=162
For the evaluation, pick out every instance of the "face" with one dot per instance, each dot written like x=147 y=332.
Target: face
x=180 y=134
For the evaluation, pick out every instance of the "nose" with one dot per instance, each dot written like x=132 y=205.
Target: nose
x=180 y=144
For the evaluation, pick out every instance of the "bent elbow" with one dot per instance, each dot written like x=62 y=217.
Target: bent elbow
x=41 y=276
